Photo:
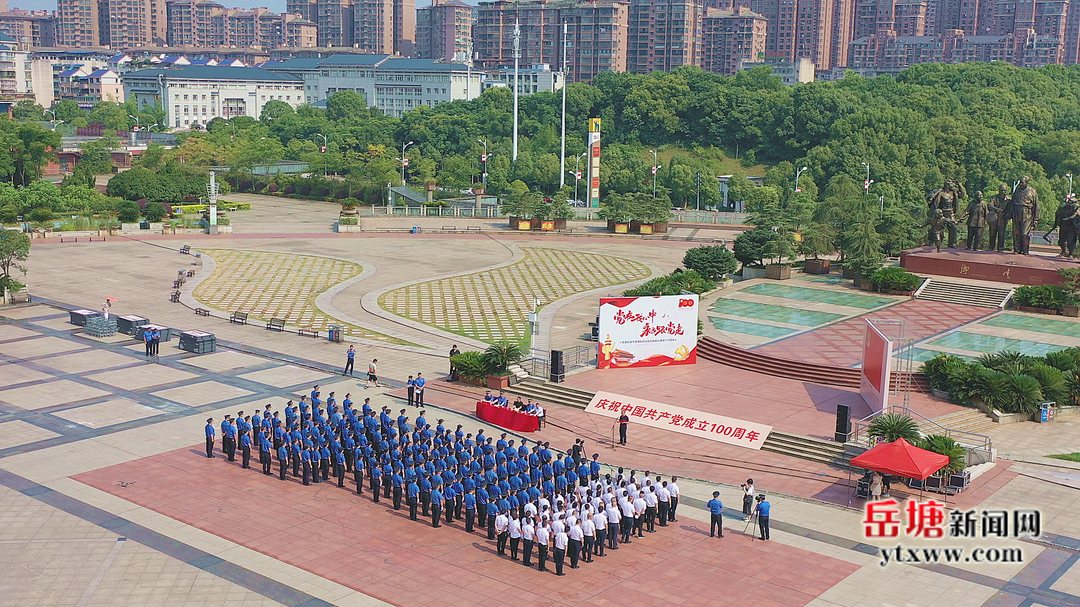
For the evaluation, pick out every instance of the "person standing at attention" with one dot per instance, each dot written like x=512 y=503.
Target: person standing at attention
x=673 y=488
x=410 y=385
x=148 y=339
x=209 y=437
x=453 y=372
x=372 y=374
x=350 y=359
x=420 y=383
x=624 y=420
x=716 y=514
x=155 y=342
x=762 y=510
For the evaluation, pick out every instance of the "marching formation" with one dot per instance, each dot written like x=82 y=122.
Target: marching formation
x=529 y=499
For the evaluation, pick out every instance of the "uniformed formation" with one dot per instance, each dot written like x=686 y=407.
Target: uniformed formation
x=526 y=499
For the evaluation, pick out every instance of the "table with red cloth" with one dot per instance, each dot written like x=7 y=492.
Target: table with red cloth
x=507 y=418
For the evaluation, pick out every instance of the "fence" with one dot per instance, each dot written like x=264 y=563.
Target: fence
x=579 y=358
x=486 y=212
x=979 y=446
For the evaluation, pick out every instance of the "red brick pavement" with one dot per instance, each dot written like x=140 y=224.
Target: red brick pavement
x=840 y=344
x=335 y=534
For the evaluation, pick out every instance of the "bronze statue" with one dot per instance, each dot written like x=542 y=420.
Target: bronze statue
x=936 y=222
x=1065 y=219
x=976 y=221
x=1025 y=215
x=947 y=200
x=998 y=213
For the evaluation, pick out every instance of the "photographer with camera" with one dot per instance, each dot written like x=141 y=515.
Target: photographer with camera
x=748 y=498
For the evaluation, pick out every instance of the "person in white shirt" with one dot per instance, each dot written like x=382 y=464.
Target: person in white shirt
x=588 y=529
x=559 y=554
x=663 y=502
x=626 y=524
x=650 y=508
x=612 y=512
x=600 y=522
x=748 y=498
x=576 y=536
x=530 y=510
x=674 y=489
x=515 y=537
x=543 y=540
x=639 y=514
x=540 y=413
x=502 y=526
x=528 y=538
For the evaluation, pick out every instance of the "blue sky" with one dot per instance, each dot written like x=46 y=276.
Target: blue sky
x=274 y=5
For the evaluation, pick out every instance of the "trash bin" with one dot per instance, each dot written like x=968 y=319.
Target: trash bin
x=416 y=229
x=335 y=333
x=1046 y=412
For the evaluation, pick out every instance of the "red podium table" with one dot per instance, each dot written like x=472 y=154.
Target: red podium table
x=507 y=418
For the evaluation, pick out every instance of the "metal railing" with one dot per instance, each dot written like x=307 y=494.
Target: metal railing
x=486 y=212
x=979 y=446
x=579 y=357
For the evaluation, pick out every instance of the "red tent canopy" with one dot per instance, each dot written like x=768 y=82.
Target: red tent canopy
x=901 y=458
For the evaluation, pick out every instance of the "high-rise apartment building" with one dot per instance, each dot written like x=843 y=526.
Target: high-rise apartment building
x=444 y=31
x=729 y=36
x=596 y=39
x=132 y=23
x=373 y=26
x=37 y=28
x=77 y=23
x=662 y=34
x=404 y=27
x=804 y=29
x=205 y=23
x=334 y=19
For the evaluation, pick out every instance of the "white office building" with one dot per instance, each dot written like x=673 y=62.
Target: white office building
x=532 y=79
x=391 y=84
x=196 y=94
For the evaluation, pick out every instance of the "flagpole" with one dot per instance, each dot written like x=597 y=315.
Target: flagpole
x=562 y=153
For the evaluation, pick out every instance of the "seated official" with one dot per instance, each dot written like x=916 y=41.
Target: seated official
x=530 y=408
x=488 y=398
x=501 y=400
x=518 y=405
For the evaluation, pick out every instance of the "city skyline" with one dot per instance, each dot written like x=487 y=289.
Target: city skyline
x=277 y=6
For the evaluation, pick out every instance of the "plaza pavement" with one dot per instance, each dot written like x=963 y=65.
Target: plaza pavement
x=96 y=448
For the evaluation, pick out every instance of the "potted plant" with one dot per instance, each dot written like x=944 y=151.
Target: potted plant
x=497 y=360
x=781 y=246
x=1041 y=299
x=894 y=281
x=892 y=426
x=817 y=239
x=1071 y=289
x=471 y=367
x=618 y=210
x=652 y=215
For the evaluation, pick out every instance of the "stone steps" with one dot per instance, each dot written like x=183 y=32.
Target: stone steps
x=963 y=293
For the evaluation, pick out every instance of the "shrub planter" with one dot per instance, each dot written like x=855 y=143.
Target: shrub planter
x=622 y=228
x=1036 y=310
x=560 y=224
x=849 y=272
x=817 y=266
x=514 y=222
x=939 y=394
x=660 y=228
x=778 y=271
x=473 y=381
x=748 y=273
x=1072 y=311
x=498 y=382
x=895 y=292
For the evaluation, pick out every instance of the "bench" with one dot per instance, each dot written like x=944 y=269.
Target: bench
x=472 y=229
x=202 y=311
x=189 y=274
x=311 y=332
x=176 y=284
x=22 y=296
x=239 y=317
x=71 y=239
x=101 y=238
x=276 y=324
x=449 y=228
x=185 y=250
x=566 y=231
x=175 y=297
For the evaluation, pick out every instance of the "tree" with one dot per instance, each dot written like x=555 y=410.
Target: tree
x=68 y=110
x=97 y=154
x=127 y=211
x=14 y=249
x=27 y=110
x=30 y=147
x=893 y=426
x=711 y=261
x=751 y=247
x=154 y=211
x=344 y=105
x=274 y=110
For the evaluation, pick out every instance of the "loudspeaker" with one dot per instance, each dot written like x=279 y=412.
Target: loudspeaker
x=843 y=423
x=558 y=368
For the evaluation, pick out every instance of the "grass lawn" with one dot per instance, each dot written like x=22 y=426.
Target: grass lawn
x=1069 y=457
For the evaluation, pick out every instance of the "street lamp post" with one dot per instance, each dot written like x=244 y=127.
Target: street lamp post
x=697 y=179
x=404 y=161
x=136 y=119
x=483 y=176
x=577 y=172
x=654 y=169
x=323 y=151
x=1069 y=175
x=866 y=184
x=797 y=174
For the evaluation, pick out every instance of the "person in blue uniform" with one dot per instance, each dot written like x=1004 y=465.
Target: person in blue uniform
x=324 y=461
x=762 y=511
x=294 y=452
x=470 y=509
x=436 y=505
x=209 y=437
x=265 y=454
x=339 y=468
x=419 y=384
x=283 y=460
x=397 y=484
x=305 y=462
x=358 y=470
x=410 y=386
x=412 y=498
x=376 y=480
x=245 y=450
x=716 y=515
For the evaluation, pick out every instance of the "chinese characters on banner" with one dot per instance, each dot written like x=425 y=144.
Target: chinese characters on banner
x=647 y=331
x=927 y=520
x=686 y=421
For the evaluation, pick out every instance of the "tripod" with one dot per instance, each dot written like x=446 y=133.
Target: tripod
x=749 y=524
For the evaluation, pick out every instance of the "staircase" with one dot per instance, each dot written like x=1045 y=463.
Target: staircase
x=844 y=377
x=969 y=420
x=812 y=449
x=552 y=393
x=964 y=293
x=518 y=372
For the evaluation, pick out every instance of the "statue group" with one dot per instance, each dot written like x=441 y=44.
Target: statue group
x=1021 y=207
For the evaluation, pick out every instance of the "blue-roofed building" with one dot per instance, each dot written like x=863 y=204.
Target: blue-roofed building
x=391 y=84
x=196 y=94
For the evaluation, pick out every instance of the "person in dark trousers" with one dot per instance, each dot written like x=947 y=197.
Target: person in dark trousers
x=376 y=480
x=410 y=386
x=228 y=438
x=543 y=539
x=245 y=450
x=283 y=460
x=155 y=342
x=716 y=515
x=305 y=464
x=350 y=360
x=412 y=498
x=453 y=372
x=762 y=511
x=420 y=383
x=397 y=484
x=470 y=510
x=209 y=437
x=339 y=468
x=148 y=341
x=559 y=555
x=624 y=420
x=748 y=499
x=436 y=506
x=358 y=471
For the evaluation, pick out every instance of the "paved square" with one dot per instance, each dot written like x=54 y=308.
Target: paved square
x=40 y=346
x=81 y=362
x=202 y=393
x=141 y=376
x=8 y=332
x=108 y=413
x=14 y=373
x=285 y=376
x=223 y=361
x=112 y=339
x=59 y=324
x=49 y=394
x=31 y=312
x=18 y=432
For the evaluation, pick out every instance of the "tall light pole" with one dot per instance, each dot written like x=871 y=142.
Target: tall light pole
x=404 y=161
x=697 y=181
x=517 y=58
x=866 y=184
x=654 y=169
x=323 y=151
x=135 y=118
x=562 y=151
x=1069 y=175
x=577 y=172
x=797 y=173
x=483 y=176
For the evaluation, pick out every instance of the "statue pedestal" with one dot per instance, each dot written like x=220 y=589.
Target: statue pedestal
x=986 y=265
